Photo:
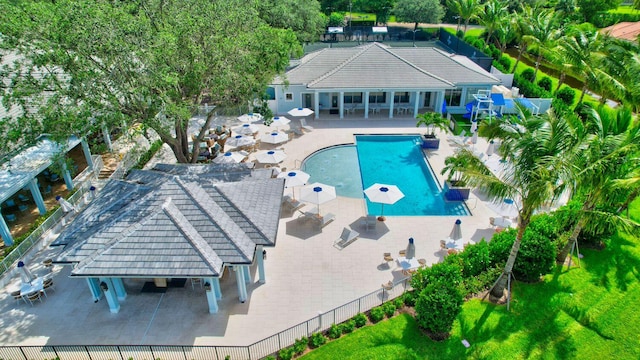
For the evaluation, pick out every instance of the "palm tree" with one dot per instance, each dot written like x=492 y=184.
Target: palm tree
x=504 y=34
x=492 y=16
x=543 y=32
x=540 y=162
x=622 y=61
x=466 y=9
x=609 y=153
x=521 y=24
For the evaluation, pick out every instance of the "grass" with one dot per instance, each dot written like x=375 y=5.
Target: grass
x=585 y=313
x=625 y=9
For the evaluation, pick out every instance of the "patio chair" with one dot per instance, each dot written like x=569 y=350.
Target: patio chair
x=388 y=286
x=23 y=198
x=387 y=257
x=17 y=296
x=47 y=190
x=47 y=284
x=32 y=297
x=293 y=204
x=23 y=207
x=303 y=125
x=196 y=281
x=443 y=245
x=402 y=252
x=347 y=237
x=369 y=222
x=10 y=217
x=10 y=203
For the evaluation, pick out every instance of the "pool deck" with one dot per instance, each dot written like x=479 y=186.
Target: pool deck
x=305 y=273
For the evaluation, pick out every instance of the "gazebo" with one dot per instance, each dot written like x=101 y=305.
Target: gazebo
x=175 y=222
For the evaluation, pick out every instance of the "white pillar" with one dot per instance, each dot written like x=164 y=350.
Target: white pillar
x=107 y=137
x=247 y=274
x=5 y=232
x=211 y=295
x=118 y=286
x=341 y=104
x=259 y=255
x=94 y=287
x=242 y=287
x=37 y=196
x=316 y=104
x=216 y=287
x=366 y=104
x=109 y=292
x=87 y=153
x=391 y=103
x=416 y=105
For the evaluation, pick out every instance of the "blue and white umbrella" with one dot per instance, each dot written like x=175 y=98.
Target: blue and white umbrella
x=384 y=194
x=275 y=137
x=64 y=204
x=294 y=178
x=279 y=121
x=491 y=148
x=317 y=194
x=250 y=117
x=456 y=233
x=240 y=140
x=229 y=158
x=300 y=112
x=246 y=129
x=25 y=275
x=271 y=156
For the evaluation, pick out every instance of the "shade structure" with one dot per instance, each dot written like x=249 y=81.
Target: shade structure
x=294 y=178
x=250 y=117
x=317 y=194
x=240 y=140
x=491 y=148
x=411 y=250
x=275 y=137
x=246 y=129
x=384 y=194
x=64 y=204
x=456 y=232
x=229 y=158
x=300 y=112
x=279 y=121
x=25 y=275
x=271 y=156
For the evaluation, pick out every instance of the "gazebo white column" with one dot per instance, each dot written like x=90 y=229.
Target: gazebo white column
x=391 y=103
x=66 y=175
x=5 y=232
x=247 y=274
x=316 y=104
x=341 y=104
x=416 y=105
x=242 y=286
x=107 y=137
x=118 y=286
x=87 y=153
x=110 y=294
x=260 y=256
x=211 y=295
x=94 y=287
x=366 y=104
x=37 y=196
x=216 y=287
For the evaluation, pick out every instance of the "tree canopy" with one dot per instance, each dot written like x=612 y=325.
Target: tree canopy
x=148 y=62
x=419 y=11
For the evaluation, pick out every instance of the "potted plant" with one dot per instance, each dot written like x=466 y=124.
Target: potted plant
x=455 y=188
x=433 y=121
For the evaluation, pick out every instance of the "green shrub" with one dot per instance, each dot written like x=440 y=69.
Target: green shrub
x=317 y=340
x=482 y=281
x=437 y=307
x=545 y=83
x=505 y=61
x=376 y=314
x=528 y=88
x=409 y=298
x=500 y=246
x=270 y=357
x=399 y=302
x=546 y=225
x=535 y=257
x=360 y=320
x=566 y=95
x=389 y=309
x=475 y=259
x=348 y=326
x=334 y=331
x=528 y=74
x=147 y=155
x=448 y=271
x=300 y=345
x=286 y=353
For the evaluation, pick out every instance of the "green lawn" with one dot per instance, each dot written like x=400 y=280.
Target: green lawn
x=585 y=313
x=625 y=10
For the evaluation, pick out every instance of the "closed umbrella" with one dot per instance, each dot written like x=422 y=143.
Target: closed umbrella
x=411 y=250
x=271 y=157
x=25 y=275
x=474 y=138
x=456 y=233
x=250 y=117
x=384 y=194
x=275 y=137
x=229 y=158
x=246 y=129
x=491 y=148
x=474 y=125
x=300 y=112
x=64 y=204
x=294 y=178
x=317 y=194
x=240 y=140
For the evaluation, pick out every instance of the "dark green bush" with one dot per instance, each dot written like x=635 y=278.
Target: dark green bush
x=389 y=309
x=528 y=74
x=475 y=259
x=409 y=298
x=566 y=95
x=482 y=281
x=500 y=246
x=545 y=83
x=529 y=89
x=535 y=258
x=545 y=224
x=376 y=314
x=300 y=345
x=317 y=340
x=348 y=326
x=270 y=357
x=505 y=61
x=360 y=320
x=334 y=331
x=286 y=353
x=399 y=302
x=144 y=158
x=437 y=307
x=449 y=271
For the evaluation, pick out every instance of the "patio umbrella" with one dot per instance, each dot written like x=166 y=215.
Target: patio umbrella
x=25 y=275
x=275 y=137
x=317 y=194
x=411 y=250
x=474 y=125
x=474 y=138
x=271 y=157
x=250 y=117
x=64 y=204
x=300 y=112
x=456 y=233
x=246 y=129
x=240 y=140
x=506 y=208
x=491 y=148
x=294 y=178
x=278 y=121
x=229 y=158
x=384 y=194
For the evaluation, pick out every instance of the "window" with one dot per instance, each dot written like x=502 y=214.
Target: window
x=401 y=98
x=453 y=97
x=353 y=98
x=377 y=97
x=288 y=96
x=271 y=93
x=472 y=91
x=427 y=99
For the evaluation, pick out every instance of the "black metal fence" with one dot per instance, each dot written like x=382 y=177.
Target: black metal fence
x=257 y=350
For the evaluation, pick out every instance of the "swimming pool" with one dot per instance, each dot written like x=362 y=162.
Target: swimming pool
x=387 y=159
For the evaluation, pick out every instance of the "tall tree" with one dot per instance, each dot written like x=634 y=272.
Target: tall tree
x=148 y=62
x=467 y=10
x=419 y=11
x=301 y=16
x=592 y=8
x=521 y=24
x=543 y=32
x=492 y=16
x=381 y=8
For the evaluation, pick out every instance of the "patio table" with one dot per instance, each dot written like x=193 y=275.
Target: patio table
x=455 y=244
x=408 y=264
x=35 y=285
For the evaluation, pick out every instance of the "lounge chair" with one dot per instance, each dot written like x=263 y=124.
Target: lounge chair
x=347 y=237
x=369 y=222
x=321 y=221
x=292 y=203
x=303 y=125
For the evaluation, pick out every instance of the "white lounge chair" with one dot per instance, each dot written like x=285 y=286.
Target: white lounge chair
x=347 y=237
x=303 y=124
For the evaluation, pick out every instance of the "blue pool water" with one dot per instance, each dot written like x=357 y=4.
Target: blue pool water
x=386 y=159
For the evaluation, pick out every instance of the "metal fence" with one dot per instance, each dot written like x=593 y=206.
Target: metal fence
x=257 y=350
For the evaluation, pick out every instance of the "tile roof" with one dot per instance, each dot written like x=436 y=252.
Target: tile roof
x=157 y=224
x=625 y=30
x=379 y=66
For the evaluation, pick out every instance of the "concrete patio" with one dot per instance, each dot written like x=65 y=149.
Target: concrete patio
x=305 y=273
